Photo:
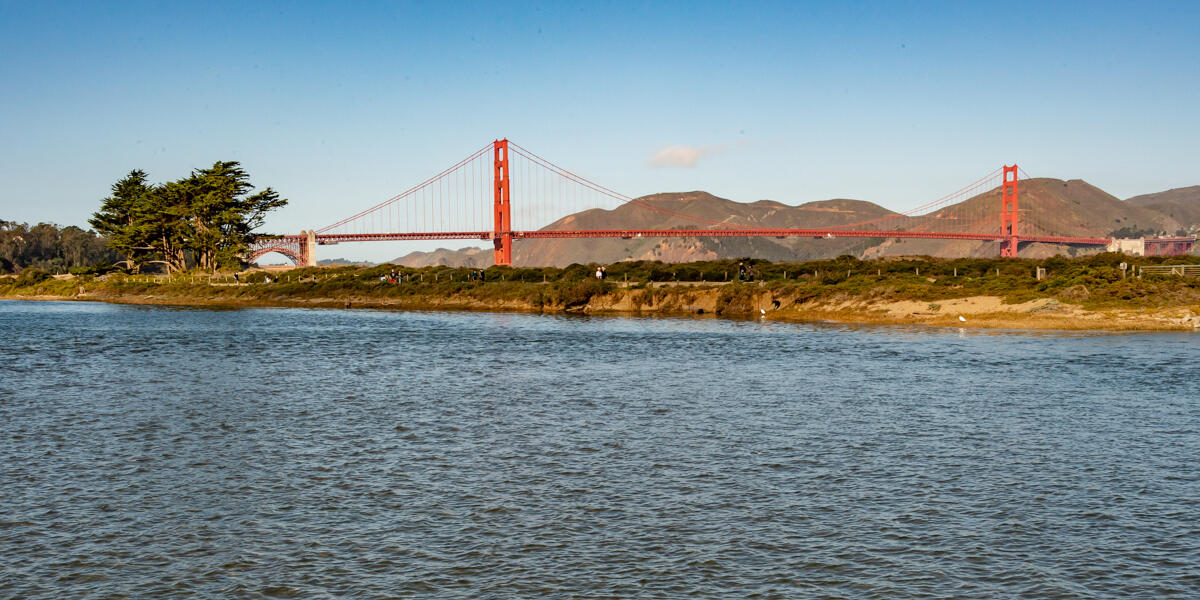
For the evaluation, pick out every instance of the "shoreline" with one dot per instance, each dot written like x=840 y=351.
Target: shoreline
x=734 y=301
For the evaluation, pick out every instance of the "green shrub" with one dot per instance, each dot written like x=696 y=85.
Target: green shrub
x=32 y=277
x=578 y=293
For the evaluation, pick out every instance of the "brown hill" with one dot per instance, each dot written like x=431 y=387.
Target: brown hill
x=703 y=206
x=1048 y=207
x=1180 y=204
x=1078 y=208
x=475 y=258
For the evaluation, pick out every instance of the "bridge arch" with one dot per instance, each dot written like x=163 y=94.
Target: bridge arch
x=290 y=253
x=297 y=248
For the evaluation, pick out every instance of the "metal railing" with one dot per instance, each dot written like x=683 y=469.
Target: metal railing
x=1181 y=270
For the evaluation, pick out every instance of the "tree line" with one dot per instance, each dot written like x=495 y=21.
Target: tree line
x=50 y=248
x=204 y=220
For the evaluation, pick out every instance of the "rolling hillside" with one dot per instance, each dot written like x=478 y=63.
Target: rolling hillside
x=703 y=205
x=1180 y=204
x=1048 y=207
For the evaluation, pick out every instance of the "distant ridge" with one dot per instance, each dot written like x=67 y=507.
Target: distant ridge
x=340 y=262
x=1180 y=204
x=1081 y=209
x=475 y=258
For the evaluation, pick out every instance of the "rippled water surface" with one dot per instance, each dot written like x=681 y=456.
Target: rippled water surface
x=296 y=453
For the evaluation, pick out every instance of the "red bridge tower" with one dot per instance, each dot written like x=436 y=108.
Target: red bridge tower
x=502 y=235
x=1008 y=213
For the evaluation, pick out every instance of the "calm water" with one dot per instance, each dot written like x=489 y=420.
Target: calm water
x=320 y=454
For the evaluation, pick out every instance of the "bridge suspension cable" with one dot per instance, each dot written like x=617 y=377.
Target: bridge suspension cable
x=429 y=201
x=604 y=191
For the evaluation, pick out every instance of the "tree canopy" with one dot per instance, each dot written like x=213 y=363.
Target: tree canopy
x=48 y=247
x=205 y=220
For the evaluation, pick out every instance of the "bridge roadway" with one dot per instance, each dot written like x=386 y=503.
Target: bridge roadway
x=327 y=239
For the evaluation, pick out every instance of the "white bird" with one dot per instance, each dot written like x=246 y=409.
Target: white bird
x=962 y=318
x=762 y=310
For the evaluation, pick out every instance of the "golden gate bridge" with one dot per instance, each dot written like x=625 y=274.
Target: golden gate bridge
x=505 y=193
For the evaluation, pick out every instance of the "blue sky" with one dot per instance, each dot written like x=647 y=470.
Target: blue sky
x=342 y=105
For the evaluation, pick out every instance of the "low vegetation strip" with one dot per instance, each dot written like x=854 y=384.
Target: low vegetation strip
x=1096 y=292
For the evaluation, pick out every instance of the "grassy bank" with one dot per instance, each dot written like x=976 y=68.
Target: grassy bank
x=1083 y=293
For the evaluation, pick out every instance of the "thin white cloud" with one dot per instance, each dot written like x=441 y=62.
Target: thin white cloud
x=685 y=157
x=680 y=156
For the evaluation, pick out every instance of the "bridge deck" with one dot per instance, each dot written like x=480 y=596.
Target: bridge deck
x=325 y=239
